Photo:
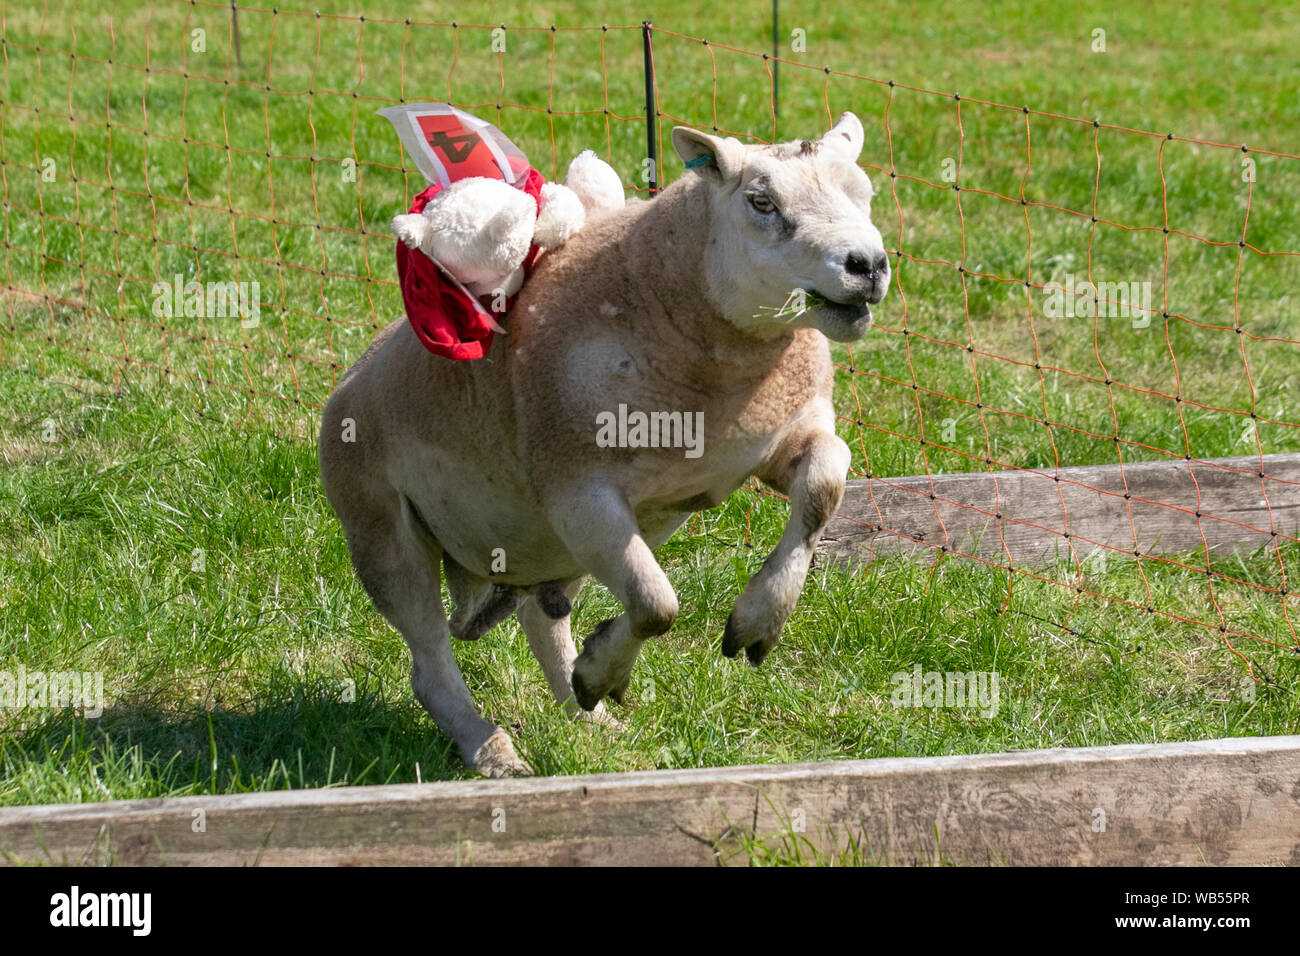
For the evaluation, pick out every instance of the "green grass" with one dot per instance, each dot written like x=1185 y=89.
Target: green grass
x=268 y=668
x=234 y=678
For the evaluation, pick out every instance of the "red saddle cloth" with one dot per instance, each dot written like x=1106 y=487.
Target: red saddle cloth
x=446 y=317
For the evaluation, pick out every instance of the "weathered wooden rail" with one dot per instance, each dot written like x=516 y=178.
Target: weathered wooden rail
x=1233 y=801
x=1032 y=518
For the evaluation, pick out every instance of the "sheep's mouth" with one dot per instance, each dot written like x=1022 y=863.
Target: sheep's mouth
x=841 y=321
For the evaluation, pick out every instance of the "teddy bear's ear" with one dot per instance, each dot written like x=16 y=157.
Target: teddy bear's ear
x=561 y=216
x=596 y=184
x=412 y=228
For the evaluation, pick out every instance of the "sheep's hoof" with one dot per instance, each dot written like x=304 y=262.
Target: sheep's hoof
x=599 y=716
x=732 y=642
x=586 y=697
x=601 y=669
x=497 y=758
x=589 y=696
x=756 y=648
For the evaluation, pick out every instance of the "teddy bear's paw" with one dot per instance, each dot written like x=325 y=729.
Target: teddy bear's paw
x=412 y=228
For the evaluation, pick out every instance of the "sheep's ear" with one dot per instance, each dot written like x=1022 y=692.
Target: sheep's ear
x=711 y=157
x=846 y=137
x=412 y=228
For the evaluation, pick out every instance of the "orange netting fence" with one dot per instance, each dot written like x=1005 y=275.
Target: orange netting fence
x=1067 y=291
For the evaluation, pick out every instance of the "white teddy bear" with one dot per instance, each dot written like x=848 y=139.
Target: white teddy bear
x=479 y=230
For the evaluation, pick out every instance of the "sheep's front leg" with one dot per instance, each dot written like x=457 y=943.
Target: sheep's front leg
x=812 y=472
x=600 y=530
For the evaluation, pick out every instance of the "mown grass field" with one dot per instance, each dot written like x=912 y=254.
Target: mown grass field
x=265 y=666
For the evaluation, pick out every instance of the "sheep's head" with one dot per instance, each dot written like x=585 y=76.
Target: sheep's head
x=790 y=216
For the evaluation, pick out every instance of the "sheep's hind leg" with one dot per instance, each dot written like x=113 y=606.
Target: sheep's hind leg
x=551 y=641
x=397 y=560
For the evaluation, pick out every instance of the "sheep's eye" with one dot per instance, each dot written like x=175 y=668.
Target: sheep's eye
x=762 y=203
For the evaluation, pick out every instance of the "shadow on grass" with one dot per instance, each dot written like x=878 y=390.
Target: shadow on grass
x=308 y=739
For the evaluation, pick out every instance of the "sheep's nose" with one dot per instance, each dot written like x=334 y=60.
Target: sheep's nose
x=869 y=267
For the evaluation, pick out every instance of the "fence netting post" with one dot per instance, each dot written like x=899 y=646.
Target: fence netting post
x=651 y=109
x=776 y=65
x=234 y=32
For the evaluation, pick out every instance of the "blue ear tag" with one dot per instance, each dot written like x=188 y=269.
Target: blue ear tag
x=699 y=161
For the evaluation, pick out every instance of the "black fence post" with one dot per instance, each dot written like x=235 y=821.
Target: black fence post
x=776 y=66
x=651 y=109
x=234 y=32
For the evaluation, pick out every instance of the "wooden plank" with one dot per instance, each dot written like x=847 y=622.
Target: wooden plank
x=1233 y=801
x=1237 y=511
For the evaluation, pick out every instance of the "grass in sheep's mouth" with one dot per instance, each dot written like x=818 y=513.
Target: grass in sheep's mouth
x=796 y=304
